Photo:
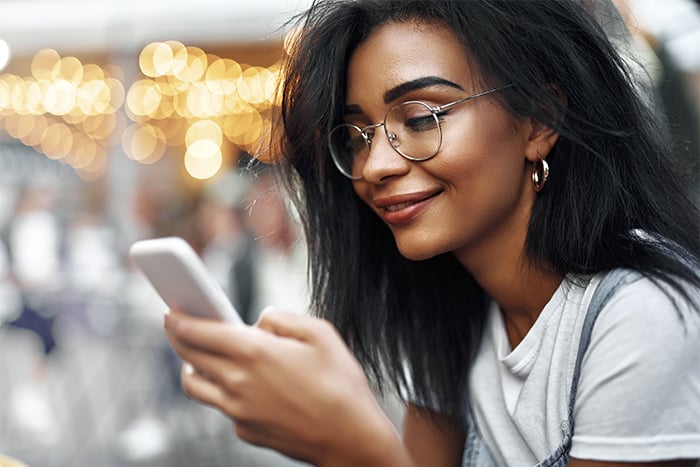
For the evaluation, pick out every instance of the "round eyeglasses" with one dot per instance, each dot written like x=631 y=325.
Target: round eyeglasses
x=413 y=129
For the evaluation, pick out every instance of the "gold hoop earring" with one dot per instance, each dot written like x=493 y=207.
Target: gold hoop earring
x=540 y=174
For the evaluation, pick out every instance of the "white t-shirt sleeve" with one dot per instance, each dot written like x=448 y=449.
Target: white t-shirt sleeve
x=639 y=390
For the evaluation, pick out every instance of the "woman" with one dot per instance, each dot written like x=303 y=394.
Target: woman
x=467 y=173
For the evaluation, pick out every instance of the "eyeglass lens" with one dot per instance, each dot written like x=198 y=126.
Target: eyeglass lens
x=412 y=130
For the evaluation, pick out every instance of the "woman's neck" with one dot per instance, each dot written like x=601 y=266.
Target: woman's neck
x=520 y=288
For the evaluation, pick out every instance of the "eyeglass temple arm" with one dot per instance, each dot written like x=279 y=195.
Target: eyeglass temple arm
x=440 y=108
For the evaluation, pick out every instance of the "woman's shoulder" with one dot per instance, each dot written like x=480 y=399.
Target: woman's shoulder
x=647 y=313
x=640 y=373
x=630 y=290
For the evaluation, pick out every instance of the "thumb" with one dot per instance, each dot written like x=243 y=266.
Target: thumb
x=297 y=326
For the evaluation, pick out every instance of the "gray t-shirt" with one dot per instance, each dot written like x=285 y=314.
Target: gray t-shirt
x=639 y=390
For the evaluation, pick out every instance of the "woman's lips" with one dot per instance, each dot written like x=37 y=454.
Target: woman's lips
x=404 y=208
x=400 y=206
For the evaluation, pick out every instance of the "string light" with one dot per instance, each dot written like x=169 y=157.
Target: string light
x=205 y=104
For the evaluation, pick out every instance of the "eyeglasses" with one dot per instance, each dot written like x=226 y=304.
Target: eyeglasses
x=413 y=129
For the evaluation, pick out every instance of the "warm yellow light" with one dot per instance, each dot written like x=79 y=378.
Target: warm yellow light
x=252 y=137
x=5 y=54
x=96 y=168
x=174 y=130
x=203 y=159
x=155 y=59
x=84 y=152
x=204 y=130
x=17 y=95
x=33 y=94
x=93 y=97
x=116 y=94
x=4 y=96
x=93 y=72
x=203 y=103
x=100 y=126
x=237 y=127
x=25 y=125
x=43 y=64
x=250 y=88
x=271 y=84
x=143 y=97
x=143 y=143
x=195 y=65
x=38 y=131
x=57 y=141
x=59 y=97
x=69 y=69
x=222 y=76
x=179 y=58
x=74 y=117
x=113 y=71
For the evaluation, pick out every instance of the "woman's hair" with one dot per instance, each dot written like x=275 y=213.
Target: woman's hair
x=612 y=176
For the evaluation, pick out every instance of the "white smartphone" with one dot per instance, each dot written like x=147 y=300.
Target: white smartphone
x=181 y=279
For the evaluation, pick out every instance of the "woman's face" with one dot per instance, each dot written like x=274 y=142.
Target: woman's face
x=474 y=197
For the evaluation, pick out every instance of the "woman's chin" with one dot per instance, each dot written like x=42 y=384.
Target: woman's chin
x=418 y=252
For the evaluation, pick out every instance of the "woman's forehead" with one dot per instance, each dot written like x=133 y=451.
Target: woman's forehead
x=401 y=52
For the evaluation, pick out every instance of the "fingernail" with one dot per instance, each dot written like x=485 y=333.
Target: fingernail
x=188 y=368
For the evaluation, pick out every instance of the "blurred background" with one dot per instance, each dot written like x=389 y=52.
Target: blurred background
x=131 y=119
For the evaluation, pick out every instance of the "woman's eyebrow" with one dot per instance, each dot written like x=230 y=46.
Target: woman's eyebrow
x=404 y=88
x=418 y=83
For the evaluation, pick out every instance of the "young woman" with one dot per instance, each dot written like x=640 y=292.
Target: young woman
x=469 y=174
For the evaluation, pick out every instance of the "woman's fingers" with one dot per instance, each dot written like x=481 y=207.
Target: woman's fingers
x=214 y=367
x=215 y=337
x=198 y=386
x=238 y=353
x=293 y=325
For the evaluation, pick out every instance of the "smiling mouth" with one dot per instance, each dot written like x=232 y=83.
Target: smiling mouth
x=403 y=205
x=400 y=206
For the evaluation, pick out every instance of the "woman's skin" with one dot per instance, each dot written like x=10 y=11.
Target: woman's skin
x=474 y=198
x=289 y=383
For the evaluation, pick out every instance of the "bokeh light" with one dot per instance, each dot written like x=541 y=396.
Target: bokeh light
x=4 y=54
x=204 y=107
x=65 y=109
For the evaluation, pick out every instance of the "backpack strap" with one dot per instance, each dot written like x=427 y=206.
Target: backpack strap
x=611 y=282
x=608 y=286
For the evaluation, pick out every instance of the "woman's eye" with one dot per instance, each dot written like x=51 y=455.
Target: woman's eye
x=420 y=123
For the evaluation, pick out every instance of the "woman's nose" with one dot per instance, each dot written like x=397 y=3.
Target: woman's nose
x=382 y=160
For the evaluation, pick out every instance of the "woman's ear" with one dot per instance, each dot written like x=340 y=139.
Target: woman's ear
x=541 y=139
x=542 y=136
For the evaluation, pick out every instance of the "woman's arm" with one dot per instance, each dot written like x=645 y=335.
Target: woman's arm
x=432 y=439
x=290 y=384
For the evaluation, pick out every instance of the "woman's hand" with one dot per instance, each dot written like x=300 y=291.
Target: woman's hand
x=289 y=383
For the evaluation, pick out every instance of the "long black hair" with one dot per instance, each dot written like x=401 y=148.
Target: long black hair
x=612 y=176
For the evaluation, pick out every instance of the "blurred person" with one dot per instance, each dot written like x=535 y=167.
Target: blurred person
x=227 y=247
x=496 y=221
x=35 y=242
x=10 y=296
x=669 y=85
x=280 y=252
